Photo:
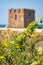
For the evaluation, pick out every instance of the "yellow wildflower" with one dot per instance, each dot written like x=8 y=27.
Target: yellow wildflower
x=14 y=30
x=40 y=50
x=7 y=35
x=5 y=44
x=17 y=46
x=34 y=63
x=10 y=35
x=1 y=57
x=36 y=35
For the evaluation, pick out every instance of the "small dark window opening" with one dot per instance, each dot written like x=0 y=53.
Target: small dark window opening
x=15 y=17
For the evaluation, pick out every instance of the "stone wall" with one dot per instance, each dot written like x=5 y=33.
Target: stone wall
x=29 y=16
x=20 y=18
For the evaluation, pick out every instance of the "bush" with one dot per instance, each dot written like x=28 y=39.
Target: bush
x=21 y=49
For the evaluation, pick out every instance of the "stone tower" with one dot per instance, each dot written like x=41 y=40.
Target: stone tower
x=20 y=18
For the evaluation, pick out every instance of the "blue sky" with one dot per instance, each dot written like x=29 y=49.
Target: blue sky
x=37 y=5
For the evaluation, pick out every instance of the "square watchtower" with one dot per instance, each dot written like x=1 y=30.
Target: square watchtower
x=20 y=18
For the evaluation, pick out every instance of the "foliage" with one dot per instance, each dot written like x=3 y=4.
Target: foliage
x=21 y=49
x=40 y=20
x=32 y=26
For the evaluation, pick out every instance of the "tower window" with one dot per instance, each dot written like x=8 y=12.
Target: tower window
x=15 y=17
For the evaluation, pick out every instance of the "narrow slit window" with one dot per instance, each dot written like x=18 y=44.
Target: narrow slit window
x=15 y=17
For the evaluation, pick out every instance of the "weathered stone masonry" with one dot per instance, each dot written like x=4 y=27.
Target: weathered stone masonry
x=20 y=18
